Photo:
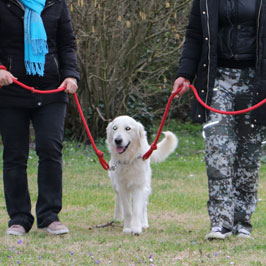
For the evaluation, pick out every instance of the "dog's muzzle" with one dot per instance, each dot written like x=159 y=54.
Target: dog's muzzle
x=119 y=148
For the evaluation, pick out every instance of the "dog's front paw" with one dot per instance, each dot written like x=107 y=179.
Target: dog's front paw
x=136 y=230
x=145 y=226
x=127 y=230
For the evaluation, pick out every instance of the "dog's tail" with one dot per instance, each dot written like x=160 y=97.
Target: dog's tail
x=165 y=147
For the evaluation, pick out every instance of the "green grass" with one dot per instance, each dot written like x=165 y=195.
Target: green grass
x=177 y=215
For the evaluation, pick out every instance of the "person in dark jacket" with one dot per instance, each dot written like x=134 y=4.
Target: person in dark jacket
x=224 y=55
x=38 y=48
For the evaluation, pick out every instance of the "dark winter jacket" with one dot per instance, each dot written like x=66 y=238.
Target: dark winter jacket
x=199 y=57
x=237 y=33
x=61 y=60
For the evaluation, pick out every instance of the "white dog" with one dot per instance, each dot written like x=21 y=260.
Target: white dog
x=130 y=174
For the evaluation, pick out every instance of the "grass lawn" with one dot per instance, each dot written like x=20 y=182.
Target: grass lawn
x=177 y=215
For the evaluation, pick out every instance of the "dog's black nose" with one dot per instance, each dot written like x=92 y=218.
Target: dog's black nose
x=118 y=141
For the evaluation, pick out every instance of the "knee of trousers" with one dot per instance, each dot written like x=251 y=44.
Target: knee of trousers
x=14 y=158
x=220 y=189
x=49 y=148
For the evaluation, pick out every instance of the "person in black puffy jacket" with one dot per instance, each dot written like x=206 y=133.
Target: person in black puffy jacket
x=224 y=56
x=38 y=48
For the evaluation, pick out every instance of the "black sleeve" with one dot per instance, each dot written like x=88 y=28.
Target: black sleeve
x=67 y=46
x=192 y=47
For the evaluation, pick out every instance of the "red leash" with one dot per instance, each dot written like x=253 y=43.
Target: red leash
x=33 y=90
x=226 y=112
x=99 y=153
x=154 y=144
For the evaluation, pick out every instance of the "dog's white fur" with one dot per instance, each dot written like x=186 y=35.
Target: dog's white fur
x=130 y=174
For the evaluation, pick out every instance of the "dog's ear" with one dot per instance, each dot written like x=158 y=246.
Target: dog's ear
x=141 y=131
x=109 y=130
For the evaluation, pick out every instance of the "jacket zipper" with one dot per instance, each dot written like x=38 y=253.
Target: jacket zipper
x=257 y=39
x=209 y=51
x=18 y=4
x=49 y=4
x=231 y=30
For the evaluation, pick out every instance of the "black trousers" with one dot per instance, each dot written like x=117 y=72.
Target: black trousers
x=48 y=124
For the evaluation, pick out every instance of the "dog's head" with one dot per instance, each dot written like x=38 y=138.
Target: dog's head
x=125 y=136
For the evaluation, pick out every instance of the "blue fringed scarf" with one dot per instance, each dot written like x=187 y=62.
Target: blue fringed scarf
x=35 y=38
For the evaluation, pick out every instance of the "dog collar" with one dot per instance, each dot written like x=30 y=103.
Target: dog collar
x=113 y=167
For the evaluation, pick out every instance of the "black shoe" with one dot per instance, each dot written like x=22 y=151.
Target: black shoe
x=218 y=233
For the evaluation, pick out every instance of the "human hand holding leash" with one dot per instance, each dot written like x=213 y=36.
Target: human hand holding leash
x=6 y=78
x=181 y=82
x=70 y=84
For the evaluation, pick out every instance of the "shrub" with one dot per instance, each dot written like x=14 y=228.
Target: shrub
x=128 y=54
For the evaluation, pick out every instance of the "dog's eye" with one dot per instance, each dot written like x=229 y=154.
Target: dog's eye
x=128 y=128
x=114 y=127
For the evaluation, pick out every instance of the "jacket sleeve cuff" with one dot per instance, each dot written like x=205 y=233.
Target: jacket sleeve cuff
x=70 y=74
x=186 y=76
